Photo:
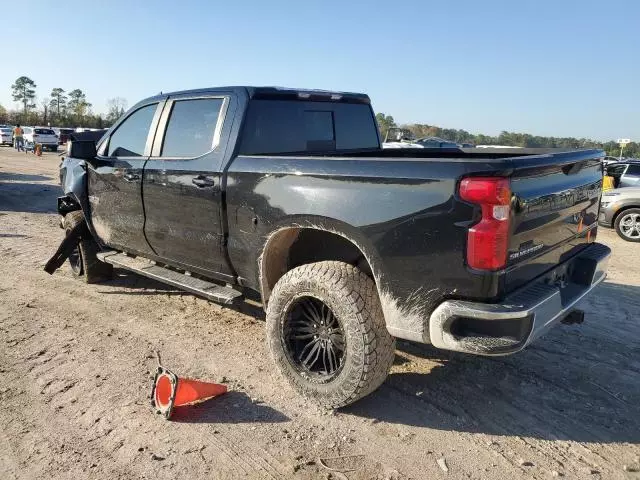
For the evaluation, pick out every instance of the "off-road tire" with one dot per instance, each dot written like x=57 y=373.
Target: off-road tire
x=619 y=217
x=91 y=269
x=352 y=297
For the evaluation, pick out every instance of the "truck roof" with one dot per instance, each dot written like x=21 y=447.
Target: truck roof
x=282 y=92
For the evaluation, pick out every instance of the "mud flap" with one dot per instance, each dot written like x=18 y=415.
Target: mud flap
x=66 y=248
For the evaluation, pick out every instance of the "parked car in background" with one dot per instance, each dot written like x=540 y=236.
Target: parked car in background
x=620 y=209
x=397 y=137
x=63 y=135
x=6 y=135
x=436 y=142
x=625 y=173
x=45 y=136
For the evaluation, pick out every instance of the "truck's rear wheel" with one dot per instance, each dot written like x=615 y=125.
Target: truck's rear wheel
x=83 y=260
x=327 y=334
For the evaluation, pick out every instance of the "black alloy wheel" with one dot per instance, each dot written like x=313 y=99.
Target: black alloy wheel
x=314 y=339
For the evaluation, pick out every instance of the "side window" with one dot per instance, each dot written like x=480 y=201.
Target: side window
x=191 y=127
x=616 y=170
x=130 y=137
x=634 y=169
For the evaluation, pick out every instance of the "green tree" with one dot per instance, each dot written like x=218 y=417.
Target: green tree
x=24 y=91
x=116 y=108
x=58 y=101
x=78 y=104
x=385 y=122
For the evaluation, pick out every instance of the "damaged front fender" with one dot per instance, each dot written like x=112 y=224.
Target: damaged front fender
x=73 y=179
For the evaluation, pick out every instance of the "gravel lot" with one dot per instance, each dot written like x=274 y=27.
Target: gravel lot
x=75 y=364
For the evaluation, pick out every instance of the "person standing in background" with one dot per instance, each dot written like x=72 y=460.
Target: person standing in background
x=18 y=139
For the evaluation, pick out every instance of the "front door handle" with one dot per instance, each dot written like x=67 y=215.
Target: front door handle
x=202 y=181
x=131 y=177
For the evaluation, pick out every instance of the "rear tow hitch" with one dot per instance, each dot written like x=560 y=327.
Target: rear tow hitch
x=574 y=317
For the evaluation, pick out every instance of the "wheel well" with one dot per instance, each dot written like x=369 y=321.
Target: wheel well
x=293 y=247
x=617 y=214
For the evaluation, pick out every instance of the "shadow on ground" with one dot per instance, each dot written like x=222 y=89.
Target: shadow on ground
x=130 y=283
x=23 y=177
x=29 y=197
x=232 y=407
x=578 y=383
x=13 y=235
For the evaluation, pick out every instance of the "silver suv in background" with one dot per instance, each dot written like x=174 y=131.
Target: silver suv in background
x=42 y=135
x=620 y=209
x=624 y=173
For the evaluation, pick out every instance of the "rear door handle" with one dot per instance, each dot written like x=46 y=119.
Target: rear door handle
x=131 y=177
x=202 y=181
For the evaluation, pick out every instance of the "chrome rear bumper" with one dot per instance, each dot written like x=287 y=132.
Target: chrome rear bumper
x=511 y=325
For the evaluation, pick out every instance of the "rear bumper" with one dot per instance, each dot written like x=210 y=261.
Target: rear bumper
x=509 y=326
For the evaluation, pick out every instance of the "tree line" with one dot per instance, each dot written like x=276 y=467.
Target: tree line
x=514 y=139
x=72 y=109
x=61 y=108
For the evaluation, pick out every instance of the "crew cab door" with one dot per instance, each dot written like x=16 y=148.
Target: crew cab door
x=115 y=180
x=181 y=186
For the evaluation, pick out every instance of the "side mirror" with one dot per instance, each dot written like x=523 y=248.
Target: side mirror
x=82 y=149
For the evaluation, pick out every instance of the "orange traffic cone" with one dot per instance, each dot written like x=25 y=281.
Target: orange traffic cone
x=170 y=391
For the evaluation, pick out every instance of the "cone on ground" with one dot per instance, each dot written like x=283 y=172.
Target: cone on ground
x=170 y=391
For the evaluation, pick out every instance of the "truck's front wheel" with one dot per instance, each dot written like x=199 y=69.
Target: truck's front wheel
x=327 y=334
x=83 y=260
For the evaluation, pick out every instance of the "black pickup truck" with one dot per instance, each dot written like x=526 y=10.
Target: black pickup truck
x=289 y=195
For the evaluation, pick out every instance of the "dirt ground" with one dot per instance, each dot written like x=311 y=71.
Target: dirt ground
x=76 y=360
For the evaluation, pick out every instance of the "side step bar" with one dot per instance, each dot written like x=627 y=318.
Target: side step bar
x=143 y=266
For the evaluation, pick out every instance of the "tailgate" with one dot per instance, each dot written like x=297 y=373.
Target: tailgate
x=555 y=214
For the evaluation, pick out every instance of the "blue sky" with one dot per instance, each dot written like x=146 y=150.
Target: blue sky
x=560 y=67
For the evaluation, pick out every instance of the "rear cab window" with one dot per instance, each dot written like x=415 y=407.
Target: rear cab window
x=298 y=126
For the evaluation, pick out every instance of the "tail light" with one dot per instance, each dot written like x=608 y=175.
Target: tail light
x=488 y=240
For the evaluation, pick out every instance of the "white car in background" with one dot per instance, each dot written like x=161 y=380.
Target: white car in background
x=45 y=136
x=6 y=135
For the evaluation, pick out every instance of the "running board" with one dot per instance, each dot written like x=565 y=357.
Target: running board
x=210 y=291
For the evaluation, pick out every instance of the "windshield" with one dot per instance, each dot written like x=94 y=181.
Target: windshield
x=44 y=131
